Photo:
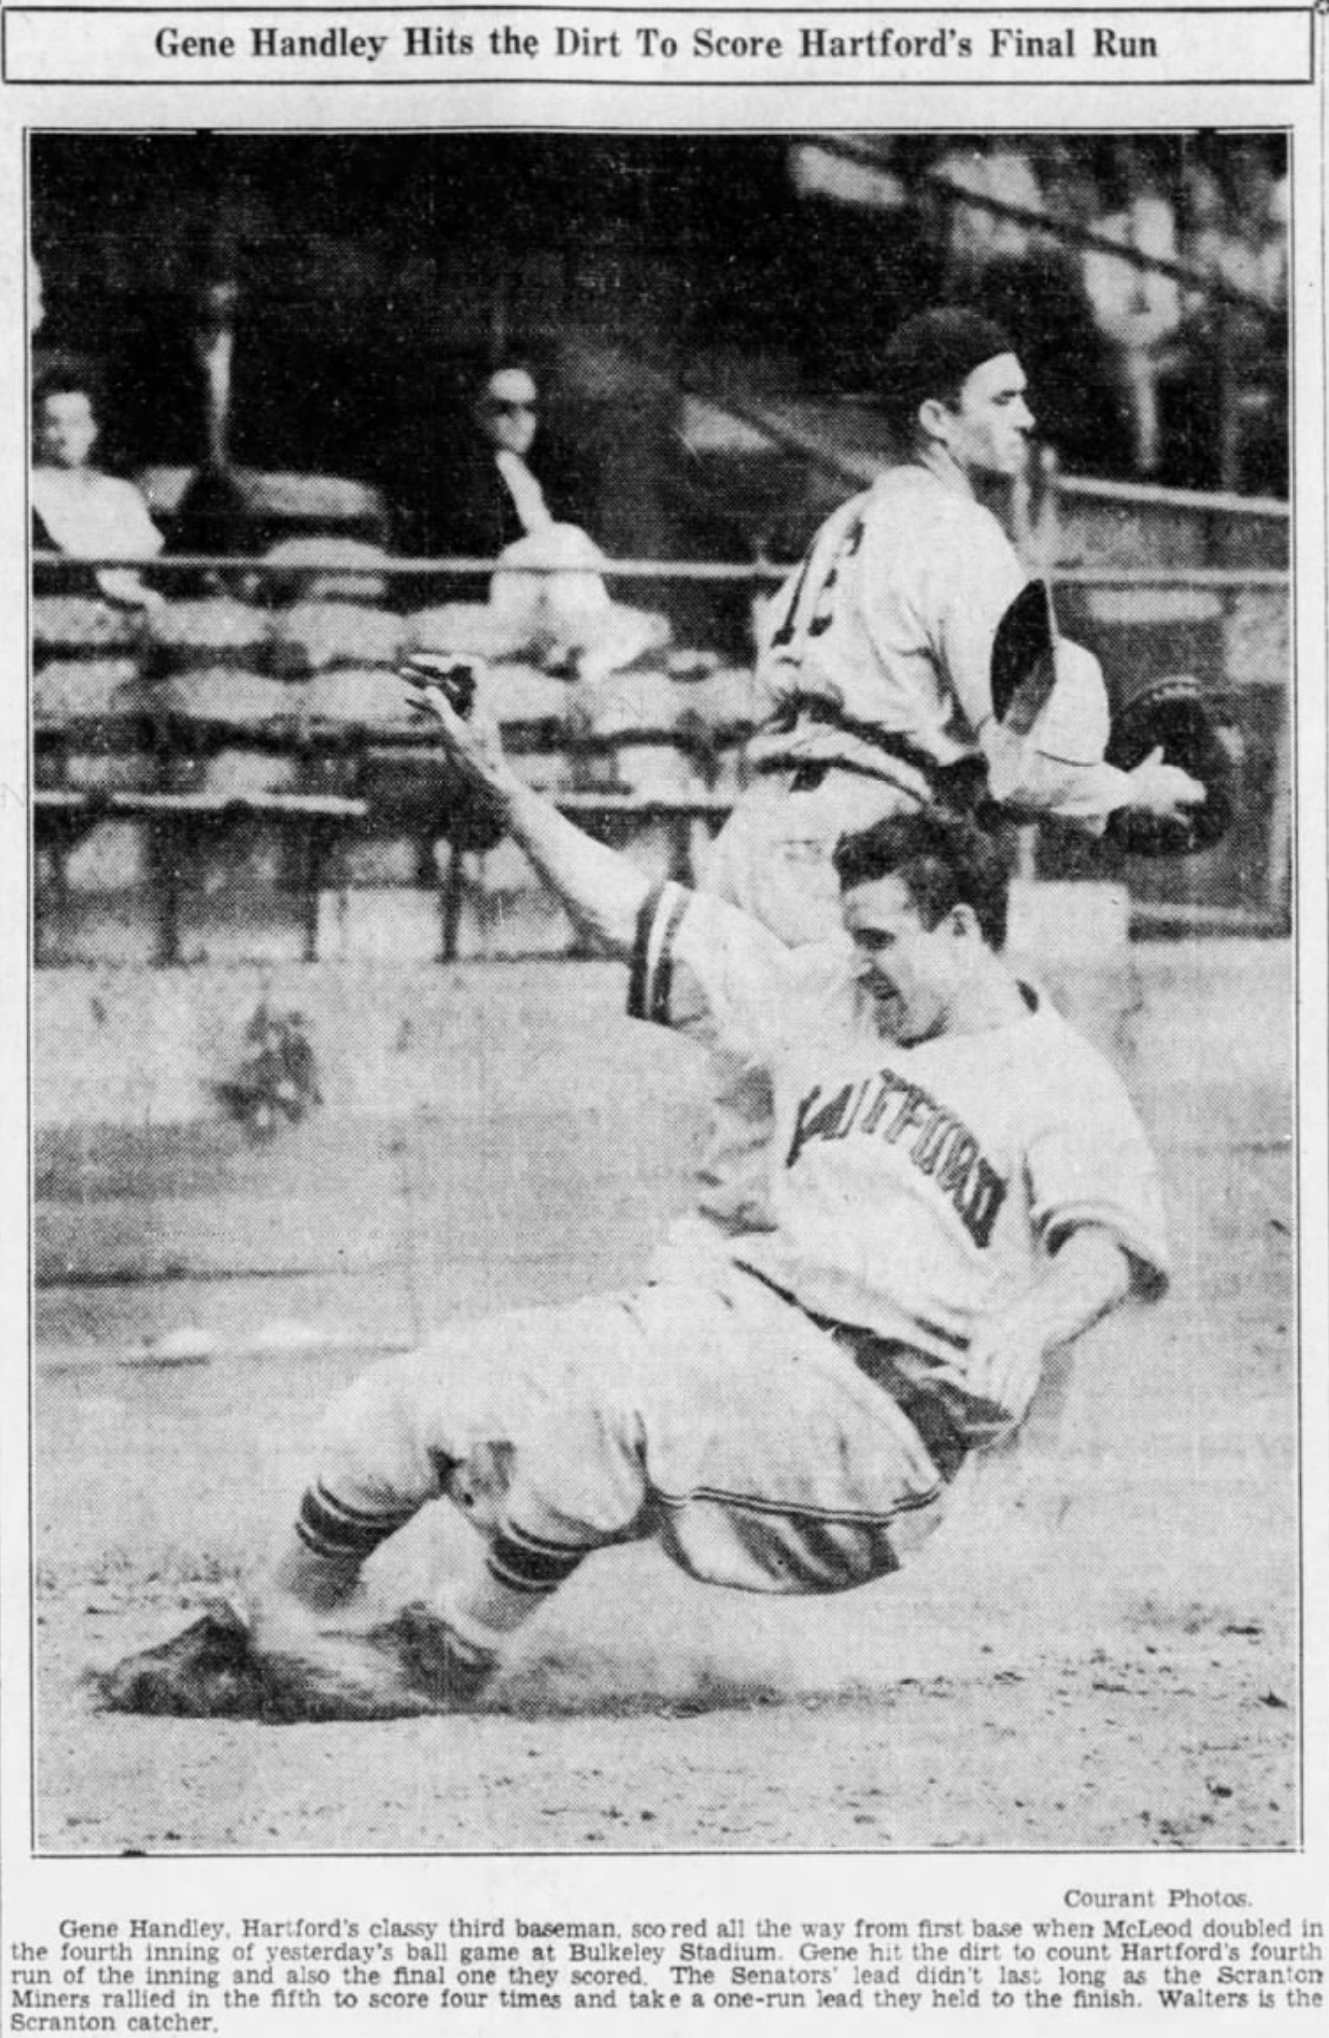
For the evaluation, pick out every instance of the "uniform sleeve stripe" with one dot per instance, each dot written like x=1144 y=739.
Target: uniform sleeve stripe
x=662 y=976
x=650 y=906
x=1149 y=1255
x=652 y=953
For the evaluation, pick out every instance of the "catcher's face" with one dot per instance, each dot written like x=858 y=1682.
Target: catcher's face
x=987 y=431
x=910 y=971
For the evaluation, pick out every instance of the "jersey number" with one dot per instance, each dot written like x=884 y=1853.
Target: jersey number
x=823 y=613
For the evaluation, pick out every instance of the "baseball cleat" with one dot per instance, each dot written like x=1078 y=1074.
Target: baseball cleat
x=292 y=1665
x=206 y=1672
x=404 y=1668
x=452 y=1672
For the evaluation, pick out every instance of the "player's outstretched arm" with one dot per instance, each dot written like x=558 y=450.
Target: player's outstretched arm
x=1035 y=782
x=601 y=889
x=1047 y=731
x=1087 y=1278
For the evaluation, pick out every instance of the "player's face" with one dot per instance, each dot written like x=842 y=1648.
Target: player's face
x=908 y=970
x=66 y=429
x=990 y=425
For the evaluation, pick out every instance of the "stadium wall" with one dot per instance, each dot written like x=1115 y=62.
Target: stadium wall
x=451 y=1095
x=132 y=1048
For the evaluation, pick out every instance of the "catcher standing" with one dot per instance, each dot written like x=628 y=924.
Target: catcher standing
x=918 y=665
x=960 y=1186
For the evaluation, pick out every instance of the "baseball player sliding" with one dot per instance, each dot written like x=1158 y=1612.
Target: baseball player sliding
x=918 y=665
x=960 y=1185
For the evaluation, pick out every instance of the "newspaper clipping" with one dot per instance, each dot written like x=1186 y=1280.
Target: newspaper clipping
x=667 y=1008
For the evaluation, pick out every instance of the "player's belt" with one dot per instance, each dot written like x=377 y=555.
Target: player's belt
x=878 y=1358
x=960 y=786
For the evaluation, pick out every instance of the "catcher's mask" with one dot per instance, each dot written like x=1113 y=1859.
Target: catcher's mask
x=1024 y=665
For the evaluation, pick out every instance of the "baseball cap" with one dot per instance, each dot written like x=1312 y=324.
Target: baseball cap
x=934 y=354
x=511 y=388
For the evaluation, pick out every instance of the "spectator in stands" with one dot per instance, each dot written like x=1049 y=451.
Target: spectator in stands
x=1025 y=277
x=495 y=492
x=1254 y=255
x=862 y=259
x=1261 y=339
x=1193 y=401
x=79 y=509
x=549 y=595
x=977 y=233
x=1139 y=307
x=1226 y=409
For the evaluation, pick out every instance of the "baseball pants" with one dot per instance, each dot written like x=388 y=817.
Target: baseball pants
x=718 y=1420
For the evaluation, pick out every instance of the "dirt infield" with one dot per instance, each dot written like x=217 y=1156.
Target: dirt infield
x=1098 y=1651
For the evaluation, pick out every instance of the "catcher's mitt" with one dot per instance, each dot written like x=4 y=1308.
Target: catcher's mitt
x=1173 y=715
x=461 y=810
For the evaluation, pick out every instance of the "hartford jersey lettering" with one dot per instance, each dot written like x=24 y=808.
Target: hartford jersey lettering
x=914 y=1188
x=941 y=1147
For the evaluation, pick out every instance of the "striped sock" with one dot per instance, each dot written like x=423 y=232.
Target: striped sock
x=522 y=1563
x=501 y=1586
x=332 y=1529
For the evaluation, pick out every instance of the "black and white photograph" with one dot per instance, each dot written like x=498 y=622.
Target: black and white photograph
x=663 y=1080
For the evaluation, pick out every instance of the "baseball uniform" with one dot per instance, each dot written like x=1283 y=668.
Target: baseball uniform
x=776 y=1426
x=882 y=643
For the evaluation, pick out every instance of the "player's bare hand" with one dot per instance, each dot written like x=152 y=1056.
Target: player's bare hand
x=1163 y=789
x=1002 y=1366
x=448 y=693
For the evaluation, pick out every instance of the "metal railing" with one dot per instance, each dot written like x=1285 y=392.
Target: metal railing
x=329 y=803
x=757 y=573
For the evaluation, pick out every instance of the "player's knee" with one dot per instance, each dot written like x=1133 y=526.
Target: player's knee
x=580 y=1478
x=373 y=1446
